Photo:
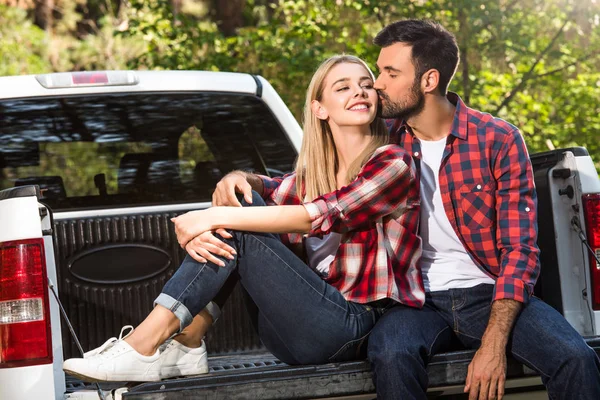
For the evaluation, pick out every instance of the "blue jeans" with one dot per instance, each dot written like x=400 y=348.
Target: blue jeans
x=301 y=319
x=405 y=339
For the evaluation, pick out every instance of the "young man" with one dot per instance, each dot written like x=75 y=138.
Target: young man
x=479 y=229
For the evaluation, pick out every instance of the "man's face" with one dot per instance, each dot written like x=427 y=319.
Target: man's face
x=399 y=91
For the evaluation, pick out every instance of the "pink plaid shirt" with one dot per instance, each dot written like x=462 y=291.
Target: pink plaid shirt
x=377 y=215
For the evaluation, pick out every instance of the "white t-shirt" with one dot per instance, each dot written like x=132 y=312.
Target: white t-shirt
x=445 y=262
x=321 y=252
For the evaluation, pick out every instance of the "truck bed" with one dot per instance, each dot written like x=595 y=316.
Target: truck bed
x=240 y=367
x=259 y=375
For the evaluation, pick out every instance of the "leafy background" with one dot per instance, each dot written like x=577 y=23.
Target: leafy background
x=532 y=62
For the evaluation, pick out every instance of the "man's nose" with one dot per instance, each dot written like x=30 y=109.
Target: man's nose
x=378 y=85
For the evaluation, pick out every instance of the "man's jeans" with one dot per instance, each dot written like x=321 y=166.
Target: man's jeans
x=404 y=339
x=301 y=318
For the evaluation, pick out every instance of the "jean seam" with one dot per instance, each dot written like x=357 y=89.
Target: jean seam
x=300 y=276
x=434 y=340
x=366 y=310
x=525 y=360
x=191 y=282
x=349 y=343
x=278 y=335
x=469 y=336
x=462 y=302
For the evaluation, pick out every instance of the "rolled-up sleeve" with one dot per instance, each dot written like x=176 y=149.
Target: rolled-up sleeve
x=517 y=223
x=380 y=188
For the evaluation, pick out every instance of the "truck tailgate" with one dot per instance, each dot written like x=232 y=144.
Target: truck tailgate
x=261 y=376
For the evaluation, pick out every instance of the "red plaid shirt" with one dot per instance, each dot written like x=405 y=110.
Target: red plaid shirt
x=377 y=215
x=487 y=187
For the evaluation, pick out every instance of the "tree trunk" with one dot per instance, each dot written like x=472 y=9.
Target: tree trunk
x=176 y=6
x=463 y=44
x=229 y=15
x=43 y=14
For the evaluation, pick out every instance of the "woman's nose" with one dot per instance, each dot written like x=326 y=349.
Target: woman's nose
x=360 y=92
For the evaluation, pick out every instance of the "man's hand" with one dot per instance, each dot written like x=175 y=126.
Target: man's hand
x=232 y=183
x=206 y=246
x=487 y=373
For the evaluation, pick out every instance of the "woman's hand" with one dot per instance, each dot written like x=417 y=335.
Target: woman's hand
x=192 y=224
x=206 y=246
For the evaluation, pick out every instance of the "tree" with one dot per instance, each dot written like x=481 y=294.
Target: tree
x=229 y=15
x=532 y=62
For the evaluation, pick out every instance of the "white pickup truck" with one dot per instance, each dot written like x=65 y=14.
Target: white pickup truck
x=92 y=167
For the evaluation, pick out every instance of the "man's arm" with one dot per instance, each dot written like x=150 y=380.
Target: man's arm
x=236 y=182
x=243 y=183
x=519 y=265
x=487 y=371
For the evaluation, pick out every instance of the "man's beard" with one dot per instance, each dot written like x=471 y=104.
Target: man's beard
x=402 y=110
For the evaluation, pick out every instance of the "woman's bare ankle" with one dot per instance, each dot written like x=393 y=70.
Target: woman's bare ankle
x=188 y=340
x=141 y=346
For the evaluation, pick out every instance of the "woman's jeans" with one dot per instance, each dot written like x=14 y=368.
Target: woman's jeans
x=405 y=339
x=301 y=318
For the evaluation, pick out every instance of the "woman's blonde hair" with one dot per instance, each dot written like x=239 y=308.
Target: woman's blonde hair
x=317 y=162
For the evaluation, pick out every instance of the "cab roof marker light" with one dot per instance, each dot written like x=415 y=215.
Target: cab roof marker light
x=62 y=80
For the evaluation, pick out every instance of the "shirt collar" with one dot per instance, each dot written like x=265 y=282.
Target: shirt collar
x=459 y=125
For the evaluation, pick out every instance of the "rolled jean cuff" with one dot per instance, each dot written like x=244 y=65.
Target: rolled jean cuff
x=214 y=310
x=176 y=307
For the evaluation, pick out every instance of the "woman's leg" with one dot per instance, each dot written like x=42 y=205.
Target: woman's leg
x=161 y=324
x=301 y=318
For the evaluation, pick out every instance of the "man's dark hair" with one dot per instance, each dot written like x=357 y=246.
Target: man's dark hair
x=432 y=47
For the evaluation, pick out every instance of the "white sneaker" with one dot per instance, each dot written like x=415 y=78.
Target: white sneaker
x=179 y=360
x=117 y=361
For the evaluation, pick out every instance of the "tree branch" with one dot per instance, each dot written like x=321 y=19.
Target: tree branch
x=554 y=71
x=529 y=74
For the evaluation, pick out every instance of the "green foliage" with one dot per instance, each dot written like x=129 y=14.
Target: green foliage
x=22 y=44
x=533 y=62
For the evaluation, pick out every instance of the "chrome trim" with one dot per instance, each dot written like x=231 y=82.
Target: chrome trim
x=110 y=212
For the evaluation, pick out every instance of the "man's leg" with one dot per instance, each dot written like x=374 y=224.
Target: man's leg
x=546 y=342
x=541 y=339
x=401 y=345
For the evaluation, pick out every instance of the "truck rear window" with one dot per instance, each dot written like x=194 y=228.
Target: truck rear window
x=136 y=149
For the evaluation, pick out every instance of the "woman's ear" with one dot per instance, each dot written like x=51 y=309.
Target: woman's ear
x=318 y=109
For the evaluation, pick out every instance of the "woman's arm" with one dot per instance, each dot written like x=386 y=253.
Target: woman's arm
x=387 y=182
x=270 y=219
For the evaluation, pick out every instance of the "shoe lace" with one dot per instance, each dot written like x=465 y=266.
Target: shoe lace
x=109 y=344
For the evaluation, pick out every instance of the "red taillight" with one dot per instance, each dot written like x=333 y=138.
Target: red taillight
x=25 y=337
x=591 y=208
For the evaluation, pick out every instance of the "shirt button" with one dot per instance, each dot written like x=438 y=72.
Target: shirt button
x=478 y=186
x=527 y=209
x=416 y=154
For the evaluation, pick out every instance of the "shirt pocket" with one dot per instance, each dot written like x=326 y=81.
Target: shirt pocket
x=477 y=205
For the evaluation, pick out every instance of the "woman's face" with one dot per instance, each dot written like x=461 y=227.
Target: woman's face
x=348 y=96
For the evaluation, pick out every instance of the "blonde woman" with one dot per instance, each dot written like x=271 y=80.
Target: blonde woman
x=351 y=209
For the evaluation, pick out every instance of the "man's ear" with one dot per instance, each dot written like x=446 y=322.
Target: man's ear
x=318 y=109
x=430 y=80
